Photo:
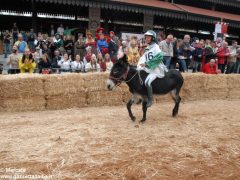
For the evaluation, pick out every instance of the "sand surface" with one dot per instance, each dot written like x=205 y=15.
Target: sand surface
x=202 y=142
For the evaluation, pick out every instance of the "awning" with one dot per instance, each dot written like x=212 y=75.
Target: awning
x=185 y=12
x=157 y=8
x=151 y=3
x=233 y=3
x=209 y=13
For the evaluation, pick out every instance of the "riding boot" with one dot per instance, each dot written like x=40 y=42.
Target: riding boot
x=150 y=96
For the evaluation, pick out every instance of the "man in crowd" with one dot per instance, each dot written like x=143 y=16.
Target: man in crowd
x=113 y=46
x=60 y=30
x=187 y=49
x=231 y=67
x=211 y=67
x=13 y=61
x=197 y=56
x=167 y=49
x=223 y=54
x=22 y=45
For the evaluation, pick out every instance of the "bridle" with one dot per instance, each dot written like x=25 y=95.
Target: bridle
x=123 y=77
x=120 y=79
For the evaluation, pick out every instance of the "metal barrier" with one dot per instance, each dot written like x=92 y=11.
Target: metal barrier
x=47 y=70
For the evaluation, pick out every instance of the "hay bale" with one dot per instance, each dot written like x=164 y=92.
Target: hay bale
x=21 y=86
x=105 y=98
x=193 y=86
x=66 y=101
x=233 y=83
x=95 y=81
x=37 y=103
x=60 y=84
x=216 y=82
x=22 y=92
x=216 y=87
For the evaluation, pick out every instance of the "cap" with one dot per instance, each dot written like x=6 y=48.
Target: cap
x=100 y=29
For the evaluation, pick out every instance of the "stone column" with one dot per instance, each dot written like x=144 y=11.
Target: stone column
x=147 y=22
x=94 y=19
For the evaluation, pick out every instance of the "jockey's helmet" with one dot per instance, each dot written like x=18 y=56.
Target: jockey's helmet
x=151 y=33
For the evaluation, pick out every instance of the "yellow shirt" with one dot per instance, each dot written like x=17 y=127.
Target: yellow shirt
x=27 y=65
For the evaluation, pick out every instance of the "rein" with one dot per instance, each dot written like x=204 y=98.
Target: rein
x=124 y=76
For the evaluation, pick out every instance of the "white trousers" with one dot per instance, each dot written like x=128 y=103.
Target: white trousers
x=150 y=78
x=158 y=72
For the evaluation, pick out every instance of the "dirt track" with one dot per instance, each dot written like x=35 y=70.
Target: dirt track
x=203 y=142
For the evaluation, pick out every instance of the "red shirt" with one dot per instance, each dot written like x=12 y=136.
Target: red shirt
x=103 y=66
x=210 y=70
x=222 y=54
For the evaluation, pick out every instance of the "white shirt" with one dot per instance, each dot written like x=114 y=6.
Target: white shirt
x=66 y=65
x=109 y=65
x=77 y=65
x=89 y=67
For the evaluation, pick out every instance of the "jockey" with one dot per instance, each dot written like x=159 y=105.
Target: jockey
x=151 y=62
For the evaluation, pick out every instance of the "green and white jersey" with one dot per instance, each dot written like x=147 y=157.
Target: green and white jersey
x=152 y=58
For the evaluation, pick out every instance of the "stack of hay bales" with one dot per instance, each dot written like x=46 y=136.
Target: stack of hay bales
x=198 y=86
x=27 y=92
x=193 y=87
x=21 y=92
x=233 y=84
x=64 y=91
x=97 y=93
x=80 y=90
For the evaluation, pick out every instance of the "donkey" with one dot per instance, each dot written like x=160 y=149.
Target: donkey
x=123 y=72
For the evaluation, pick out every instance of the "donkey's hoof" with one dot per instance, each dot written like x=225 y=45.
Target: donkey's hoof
x=133 y=118
x=174 y=114
x=143 y=121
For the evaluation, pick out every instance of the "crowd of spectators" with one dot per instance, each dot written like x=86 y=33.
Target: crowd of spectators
x=58 y=52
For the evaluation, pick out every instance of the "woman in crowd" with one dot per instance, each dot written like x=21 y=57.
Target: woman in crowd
x=88 y=55
x=44 y=64
x=79 y=46
x=101 y=62
x=77 y=65
x=109 y=63
x=27 y=63
x=92 y=66
x=65 y=63
x=91 y=42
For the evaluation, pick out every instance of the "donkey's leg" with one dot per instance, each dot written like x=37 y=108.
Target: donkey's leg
x=177 y=99
x=144 y=109
x=129 y=105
